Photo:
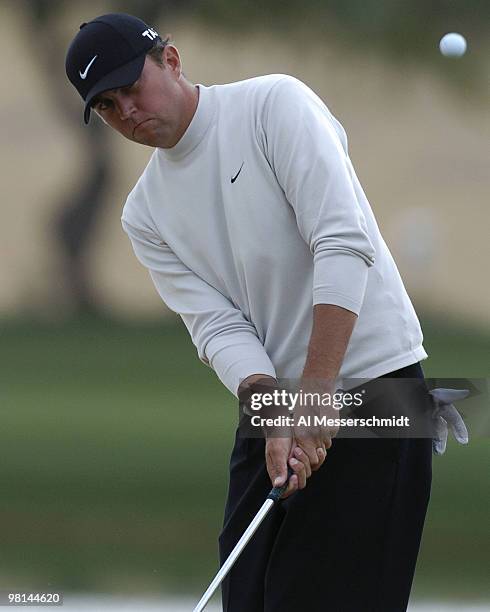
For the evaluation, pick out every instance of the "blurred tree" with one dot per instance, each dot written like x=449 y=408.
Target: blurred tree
x=76 y=220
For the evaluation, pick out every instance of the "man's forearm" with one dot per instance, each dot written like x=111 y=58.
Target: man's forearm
x=332 y=329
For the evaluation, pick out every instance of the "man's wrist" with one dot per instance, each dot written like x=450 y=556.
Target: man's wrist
x=254 y=387
x=253 y=379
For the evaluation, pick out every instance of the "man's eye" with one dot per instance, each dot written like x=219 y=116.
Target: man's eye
x=103 y=104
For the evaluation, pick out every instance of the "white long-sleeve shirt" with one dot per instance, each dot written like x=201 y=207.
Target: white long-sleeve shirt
x=254 y=216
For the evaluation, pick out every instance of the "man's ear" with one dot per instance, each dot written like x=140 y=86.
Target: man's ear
x=172 y=58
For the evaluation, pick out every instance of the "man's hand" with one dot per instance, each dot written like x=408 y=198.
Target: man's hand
x=278 y=450
x=278 y=454
x=312 y=440
x=303 y=448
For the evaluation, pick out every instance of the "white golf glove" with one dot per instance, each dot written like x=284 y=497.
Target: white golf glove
x=445 y=414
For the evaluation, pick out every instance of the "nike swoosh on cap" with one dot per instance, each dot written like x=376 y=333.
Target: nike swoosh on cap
x=83 y=75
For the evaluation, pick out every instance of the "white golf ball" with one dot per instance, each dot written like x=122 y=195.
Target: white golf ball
x=453 y=45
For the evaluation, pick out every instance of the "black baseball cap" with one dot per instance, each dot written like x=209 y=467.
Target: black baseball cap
x=108 y=52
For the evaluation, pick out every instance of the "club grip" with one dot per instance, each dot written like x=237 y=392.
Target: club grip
x=276 y=492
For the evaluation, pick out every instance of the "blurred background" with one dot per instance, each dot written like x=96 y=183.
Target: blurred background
x=104 y=489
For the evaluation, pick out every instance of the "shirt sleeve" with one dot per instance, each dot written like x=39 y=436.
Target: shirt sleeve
x=307 y=150
x=224 y=338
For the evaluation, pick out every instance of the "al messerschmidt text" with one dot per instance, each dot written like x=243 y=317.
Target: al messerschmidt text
x=324 y=421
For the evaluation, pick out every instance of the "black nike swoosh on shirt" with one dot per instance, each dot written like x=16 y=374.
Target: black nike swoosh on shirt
x=234 y=178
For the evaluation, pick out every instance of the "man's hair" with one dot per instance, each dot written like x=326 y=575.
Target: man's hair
x=155 y=53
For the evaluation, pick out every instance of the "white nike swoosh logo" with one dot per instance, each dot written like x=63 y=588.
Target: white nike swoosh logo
x=83 y=75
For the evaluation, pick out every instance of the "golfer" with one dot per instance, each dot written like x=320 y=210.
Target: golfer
x=255 y=229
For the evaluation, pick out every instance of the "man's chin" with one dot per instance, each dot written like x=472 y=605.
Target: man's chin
x=148 y=141
x=146 y=134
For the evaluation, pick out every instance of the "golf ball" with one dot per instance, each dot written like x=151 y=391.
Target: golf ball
x=453 y=45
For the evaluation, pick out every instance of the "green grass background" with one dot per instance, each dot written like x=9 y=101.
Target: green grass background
x=114 y=445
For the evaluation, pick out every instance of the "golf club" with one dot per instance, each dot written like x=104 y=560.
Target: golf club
x=273 y=497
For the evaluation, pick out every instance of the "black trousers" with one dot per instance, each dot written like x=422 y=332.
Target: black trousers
x=348 y=542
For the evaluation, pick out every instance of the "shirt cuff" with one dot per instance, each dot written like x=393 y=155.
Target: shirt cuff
x=238 y=357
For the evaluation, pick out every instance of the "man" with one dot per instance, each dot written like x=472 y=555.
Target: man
x=254 y=228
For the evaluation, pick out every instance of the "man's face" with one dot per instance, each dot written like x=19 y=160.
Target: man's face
x=156 y=109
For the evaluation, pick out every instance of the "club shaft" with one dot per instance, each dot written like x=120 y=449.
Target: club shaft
x=235 y=553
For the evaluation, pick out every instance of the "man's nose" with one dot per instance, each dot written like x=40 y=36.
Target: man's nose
x=126 y=107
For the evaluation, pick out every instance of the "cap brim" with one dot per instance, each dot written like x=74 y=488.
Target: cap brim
x=121 y=77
